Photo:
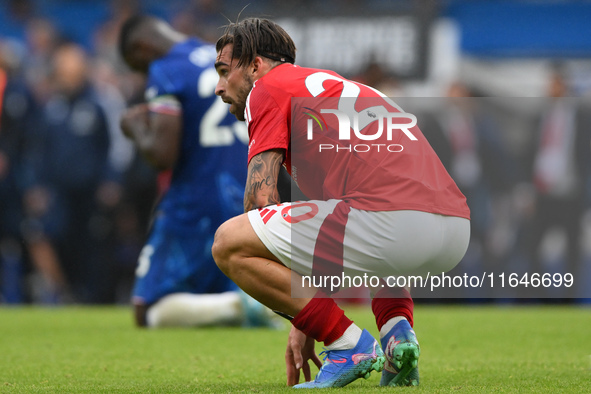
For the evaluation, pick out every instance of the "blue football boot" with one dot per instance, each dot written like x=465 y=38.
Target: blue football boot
x=402 y=351
x=341 y=367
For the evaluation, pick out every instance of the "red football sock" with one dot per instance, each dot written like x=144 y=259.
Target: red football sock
x=322 y=319
x=392 y=302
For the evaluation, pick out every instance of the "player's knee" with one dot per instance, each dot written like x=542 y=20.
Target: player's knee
x=224 y=245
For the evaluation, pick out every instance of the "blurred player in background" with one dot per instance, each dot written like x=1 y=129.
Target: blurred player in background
x=560 y=163
x=16 y=110
x=72 y=182
x=186 y=128
x=376 y=214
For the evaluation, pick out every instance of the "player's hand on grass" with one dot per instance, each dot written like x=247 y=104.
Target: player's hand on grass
x=300 y=350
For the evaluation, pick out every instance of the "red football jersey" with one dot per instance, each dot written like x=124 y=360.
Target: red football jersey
x=371 y=162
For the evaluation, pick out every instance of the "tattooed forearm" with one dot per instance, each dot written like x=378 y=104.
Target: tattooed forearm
x=261 y=183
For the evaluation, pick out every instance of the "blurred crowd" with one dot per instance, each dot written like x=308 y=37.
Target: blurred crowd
x=524 y=164
x=75 y=198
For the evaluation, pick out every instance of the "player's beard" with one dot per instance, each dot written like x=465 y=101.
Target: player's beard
x=241 y=95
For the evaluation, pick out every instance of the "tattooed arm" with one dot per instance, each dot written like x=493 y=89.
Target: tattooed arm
x=261 y=182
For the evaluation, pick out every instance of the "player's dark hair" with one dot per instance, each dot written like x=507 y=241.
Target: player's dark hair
x=258 y=37
x=128 y=28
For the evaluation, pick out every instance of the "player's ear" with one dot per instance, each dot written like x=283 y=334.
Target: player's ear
x=258 y=65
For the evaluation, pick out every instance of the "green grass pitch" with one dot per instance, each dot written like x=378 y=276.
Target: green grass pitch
x=463 y=350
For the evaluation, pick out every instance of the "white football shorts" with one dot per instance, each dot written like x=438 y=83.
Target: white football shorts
x=330 y=237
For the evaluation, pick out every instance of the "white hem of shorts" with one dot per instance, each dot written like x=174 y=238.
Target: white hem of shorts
x=257 y=225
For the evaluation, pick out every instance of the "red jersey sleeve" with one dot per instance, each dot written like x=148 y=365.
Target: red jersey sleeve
x=267 y=122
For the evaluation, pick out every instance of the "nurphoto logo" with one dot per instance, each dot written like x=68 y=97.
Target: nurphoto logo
x=354 y=127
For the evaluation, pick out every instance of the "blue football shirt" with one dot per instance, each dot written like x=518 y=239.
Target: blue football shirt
x=207 y=185
x=208 y=179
